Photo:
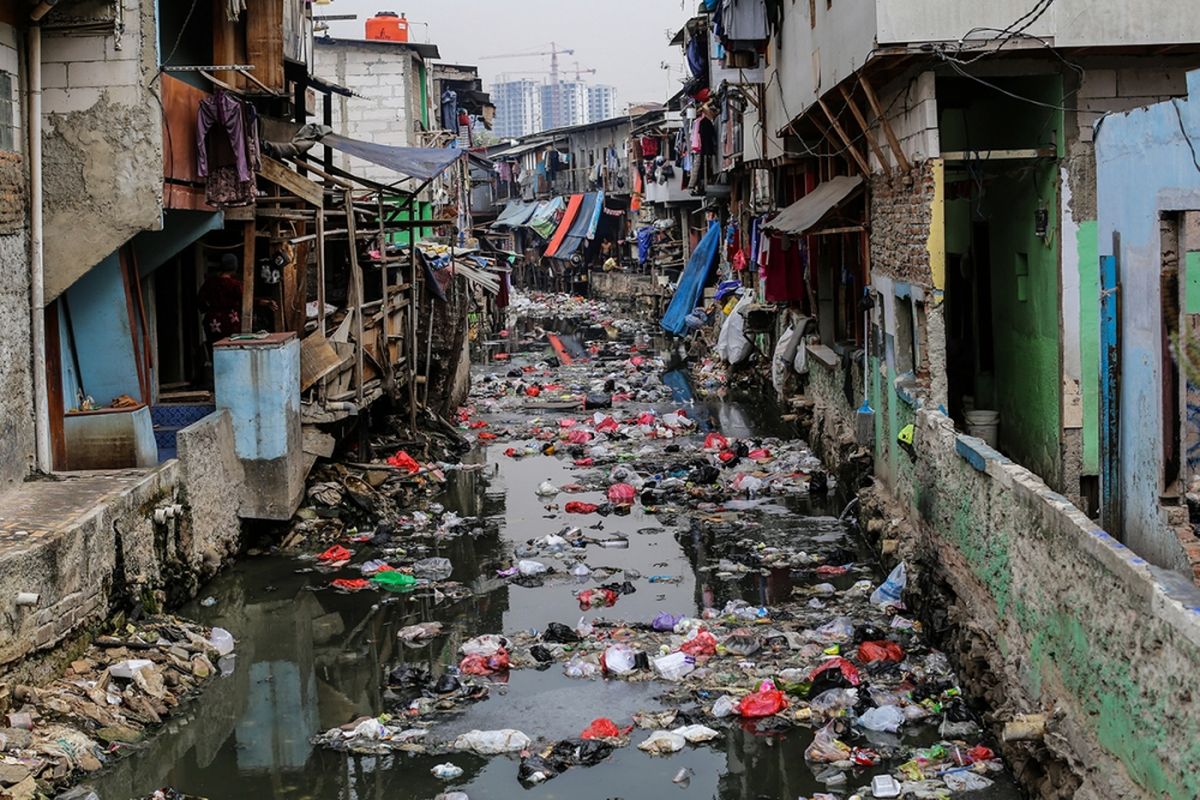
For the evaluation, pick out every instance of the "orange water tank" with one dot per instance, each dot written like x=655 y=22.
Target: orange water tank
x=388 y=26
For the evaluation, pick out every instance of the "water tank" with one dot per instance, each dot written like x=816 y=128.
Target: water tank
x=388 y=26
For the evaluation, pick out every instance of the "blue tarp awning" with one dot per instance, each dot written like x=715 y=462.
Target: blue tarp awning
x=515 y=214
x=583 y=227
x=691 y=283
x=422 y=163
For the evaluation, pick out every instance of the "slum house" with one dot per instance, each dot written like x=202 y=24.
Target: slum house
x=397 y=96
x=948 y=152
x=184 y=342
x=568 y=193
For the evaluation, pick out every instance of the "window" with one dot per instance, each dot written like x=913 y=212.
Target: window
x=8 y=117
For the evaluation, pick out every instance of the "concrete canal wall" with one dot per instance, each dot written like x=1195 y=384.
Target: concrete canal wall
x=1068 y=620
x=88 y=542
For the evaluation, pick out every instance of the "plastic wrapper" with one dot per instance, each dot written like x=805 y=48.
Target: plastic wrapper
x=661 y=743
x=490 y=743
x=826 y=748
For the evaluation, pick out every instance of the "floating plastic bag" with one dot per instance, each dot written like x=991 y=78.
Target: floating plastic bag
x=764 y=703
x=335 y=555
x=839 y=669
x=579 y=507
x=404 y=461
x=621 y=494
x=393 y=579
x=603 y=728
x=715 y=441
x=695 y=734
x=871 y=652
x=966 y=781
x=619 y=659
x=732 y=345
x=674 y=666
x=702 y=644
x=664 y=621
x=222 y=640
x=447 y=771
x=888 y=593
x=661 y=743
x=884 y=718
x=826 y=748
x=832 y=700
x=433 y=568
x=491 y=743
x=529 y=568
x=580 y=668
x=742 y=642
x=485 y=665
x=486 y=645
x=725 y=706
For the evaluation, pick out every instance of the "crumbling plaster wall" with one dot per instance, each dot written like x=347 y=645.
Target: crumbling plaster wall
x=102 y=143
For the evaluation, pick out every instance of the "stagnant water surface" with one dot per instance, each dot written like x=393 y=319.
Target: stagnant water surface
x=310 y=660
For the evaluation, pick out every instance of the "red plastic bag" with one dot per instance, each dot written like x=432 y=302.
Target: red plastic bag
x=579 y=436
x=621 y=494
x=702 y=644
x=830 y=569
x=585 y=462
x=727 y=456
x=477 y=424
x=603 y=728
x=511 y=452
x=608 y=425
x=487 y=437
x=485 y=665
x=580 y=507
x=647 y=418
x=403 y=460
x=351 y=584
x=715 y=441
x=848 y=670
x=335 y=555
x=870 y=652
x=760 y=454
x=763 y=703
x=533 y=391
x=597 y=598
x=567 y=423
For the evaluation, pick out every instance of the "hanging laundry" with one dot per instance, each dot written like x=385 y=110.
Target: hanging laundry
x=227 y=149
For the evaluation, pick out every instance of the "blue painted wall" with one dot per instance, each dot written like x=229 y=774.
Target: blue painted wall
x=260 y=385
x=1144 y=167
x=103 y=340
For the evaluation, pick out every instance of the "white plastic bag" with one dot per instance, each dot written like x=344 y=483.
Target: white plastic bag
x=732 y=345
x=661 y=743
x=528 y=567
x=222 y=640
x=620 y=659
x=785 y=355
x=888 y=593
x=697 y=733
x=674 y=666
x=725 y=706
x=487 y=645
x=884 y=718
x=490 y=743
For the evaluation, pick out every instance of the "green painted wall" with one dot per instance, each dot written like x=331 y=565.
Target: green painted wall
x=1025 y=311
x=1192 y=276
x=1089 y=342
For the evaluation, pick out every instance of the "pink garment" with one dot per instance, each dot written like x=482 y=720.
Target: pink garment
x=697 y=144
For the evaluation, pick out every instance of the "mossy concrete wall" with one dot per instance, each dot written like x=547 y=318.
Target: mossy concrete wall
x=1082 y=627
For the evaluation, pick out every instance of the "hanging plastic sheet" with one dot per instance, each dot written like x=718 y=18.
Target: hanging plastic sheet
x=542 y=220
x=691 y=284
x=564 y=225
x=582 y=227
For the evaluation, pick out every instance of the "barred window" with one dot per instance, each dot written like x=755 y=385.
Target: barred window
x=8 y=127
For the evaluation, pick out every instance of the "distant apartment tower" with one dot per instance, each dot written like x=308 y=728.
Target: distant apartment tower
x=602 y=102
x=518 y=109
x=564 y=105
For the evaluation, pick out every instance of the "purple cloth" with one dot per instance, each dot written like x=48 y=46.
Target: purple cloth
x=222 y=112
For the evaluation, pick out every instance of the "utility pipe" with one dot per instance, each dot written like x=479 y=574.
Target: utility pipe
x=41 y=401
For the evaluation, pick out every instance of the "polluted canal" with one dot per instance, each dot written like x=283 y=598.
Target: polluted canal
x=652 y=596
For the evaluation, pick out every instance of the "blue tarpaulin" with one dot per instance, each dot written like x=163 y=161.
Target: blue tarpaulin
x=691 y=283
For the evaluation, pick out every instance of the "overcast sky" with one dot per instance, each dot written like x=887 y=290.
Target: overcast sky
x=625 y=41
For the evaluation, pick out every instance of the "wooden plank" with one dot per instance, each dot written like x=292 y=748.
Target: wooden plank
x=893 y=142
x=228 y=45
x=866 y=129
x=318 y=358
x=1000 y=155
x=248 y=277
x=264 y=42
x=302 y=187
x=850 y=148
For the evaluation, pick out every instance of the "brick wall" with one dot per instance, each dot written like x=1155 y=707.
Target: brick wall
x=900 y=219
x=383 y=114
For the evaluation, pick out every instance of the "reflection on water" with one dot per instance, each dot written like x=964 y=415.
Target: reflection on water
x=309 y=659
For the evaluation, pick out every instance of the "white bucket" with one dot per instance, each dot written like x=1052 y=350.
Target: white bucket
x=985 y=425
x=968 y=403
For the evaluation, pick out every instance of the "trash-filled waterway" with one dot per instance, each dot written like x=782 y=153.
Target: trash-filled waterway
x=719 y=630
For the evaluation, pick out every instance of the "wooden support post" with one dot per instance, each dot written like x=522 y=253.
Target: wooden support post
x=356 y=287
x=248 y=276
x=893 y=142
x=850 y=148
x=866 y=129
x=412 y=325
x=386 y=322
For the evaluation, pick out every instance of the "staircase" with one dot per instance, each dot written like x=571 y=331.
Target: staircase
x=170 y=418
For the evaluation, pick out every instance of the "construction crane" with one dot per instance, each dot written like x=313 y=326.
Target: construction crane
x=578 y=70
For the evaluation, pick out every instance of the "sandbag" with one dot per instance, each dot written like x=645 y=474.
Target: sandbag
x=785 y=356
x=732 y=345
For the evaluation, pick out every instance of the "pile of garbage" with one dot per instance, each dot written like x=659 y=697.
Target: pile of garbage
x=109 y=699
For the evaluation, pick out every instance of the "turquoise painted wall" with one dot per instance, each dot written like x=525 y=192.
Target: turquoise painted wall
x=103 y=340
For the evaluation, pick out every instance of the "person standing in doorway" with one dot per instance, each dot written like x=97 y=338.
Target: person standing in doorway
x=220 y=301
